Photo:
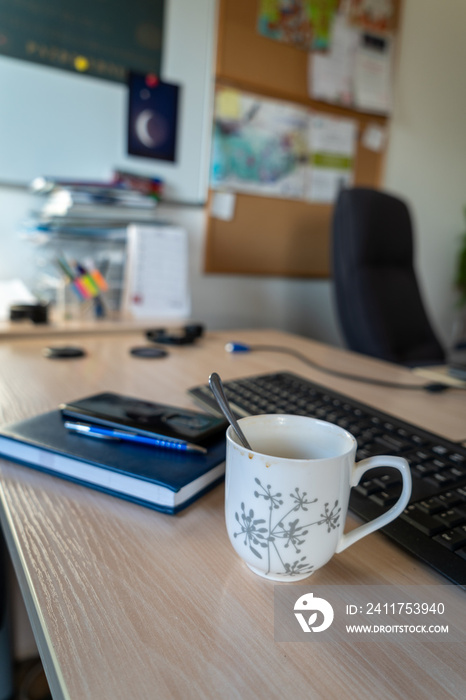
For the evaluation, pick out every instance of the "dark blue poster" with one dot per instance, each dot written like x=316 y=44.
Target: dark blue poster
x=153 y=117
x=102 y=38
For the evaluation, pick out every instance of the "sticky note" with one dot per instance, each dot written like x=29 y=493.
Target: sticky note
x=228 y=104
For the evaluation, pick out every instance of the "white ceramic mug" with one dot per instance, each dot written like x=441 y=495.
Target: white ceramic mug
x=286 y=500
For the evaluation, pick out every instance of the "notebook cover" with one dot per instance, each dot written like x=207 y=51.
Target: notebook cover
x=169 y=469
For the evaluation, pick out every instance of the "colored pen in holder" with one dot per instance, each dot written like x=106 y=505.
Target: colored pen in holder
x=86 y=285
x=89 y=285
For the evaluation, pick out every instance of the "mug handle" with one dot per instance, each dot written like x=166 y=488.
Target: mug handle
x=361 y=468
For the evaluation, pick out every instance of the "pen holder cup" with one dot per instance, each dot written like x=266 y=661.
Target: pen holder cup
x=69 y=307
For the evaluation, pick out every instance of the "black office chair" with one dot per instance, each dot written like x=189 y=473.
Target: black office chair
x=378 y=301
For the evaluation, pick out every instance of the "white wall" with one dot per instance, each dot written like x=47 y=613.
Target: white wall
x=16 y=258
x=426 y=161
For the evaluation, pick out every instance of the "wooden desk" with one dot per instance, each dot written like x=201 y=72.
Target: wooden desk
x=126 y=602
x=90 y=326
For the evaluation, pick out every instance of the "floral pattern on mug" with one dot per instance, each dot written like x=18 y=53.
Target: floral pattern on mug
x=281 y=534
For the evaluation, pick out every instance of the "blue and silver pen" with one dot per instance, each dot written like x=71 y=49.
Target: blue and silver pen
x=96 y=431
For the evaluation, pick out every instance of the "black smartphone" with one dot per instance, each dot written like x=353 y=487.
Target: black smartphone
x=146 y=417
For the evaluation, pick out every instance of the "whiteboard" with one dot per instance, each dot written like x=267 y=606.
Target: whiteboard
x=58 y=124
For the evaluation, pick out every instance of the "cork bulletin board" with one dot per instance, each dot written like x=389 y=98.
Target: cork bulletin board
x=270 y=235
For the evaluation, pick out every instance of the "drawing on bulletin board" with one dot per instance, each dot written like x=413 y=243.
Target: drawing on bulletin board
x=322 y=13
x=331 y=74
x=259 y=145
x=303 y=23
x=377 y=16
x=356 y=72
x=152 y=117
x=101 y=39
x=277 y=149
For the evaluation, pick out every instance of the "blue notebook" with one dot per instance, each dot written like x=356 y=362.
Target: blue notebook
x=167 y=480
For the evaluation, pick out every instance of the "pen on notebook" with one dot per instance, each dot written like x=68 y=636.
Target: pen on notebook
x=96 y=431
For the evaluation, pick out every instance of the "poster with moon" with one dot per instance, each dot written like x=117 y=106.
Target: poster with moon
x=153 y=117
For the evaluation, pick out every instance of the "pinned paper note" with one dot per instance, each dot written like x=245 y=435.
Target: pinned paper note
x=223 y=206
x=373 y=74
x=156 y=274
x=374 y=137
x=333 y=143
x=376 y=16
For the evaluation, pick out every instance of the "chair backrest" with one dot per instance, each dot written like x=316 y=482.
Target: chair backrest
x=378 y=300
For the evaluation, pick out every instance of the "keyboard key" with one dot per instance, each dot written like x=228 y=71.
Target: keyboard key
x=442 y=479
x=438 y=464
x=428 y=524
x=392 y=442
x=418 y=440
x=386 y=497
x=422 y=454
x=455 y=475
x=422 y=470
x=332 y=417
x=376 y=448
x=368 y=487
x=387 y=480
x=458 y=472
x=431 y=505
x=450 y=498
x=452 y=539
x=451 y=518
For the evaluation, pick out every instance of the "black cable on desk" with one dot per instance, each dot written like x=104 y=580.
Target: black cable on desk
x=431 y=387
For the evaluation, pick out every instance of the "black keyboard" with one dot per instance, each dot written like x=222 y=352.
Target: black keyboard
x=433 y=526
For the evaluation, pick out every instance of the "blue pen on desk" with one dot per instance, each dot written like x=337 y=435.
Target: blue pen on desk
x=96 y=431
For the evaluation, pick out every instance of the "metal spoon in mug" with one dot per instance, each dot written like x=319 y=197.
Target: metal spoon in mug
x=218 y=391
